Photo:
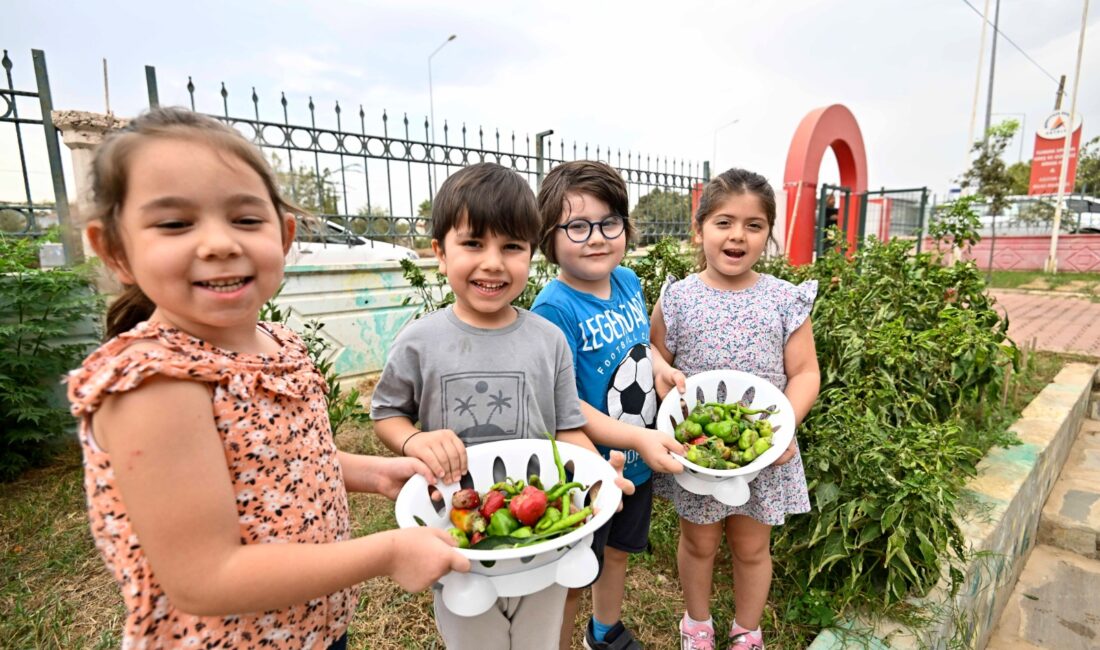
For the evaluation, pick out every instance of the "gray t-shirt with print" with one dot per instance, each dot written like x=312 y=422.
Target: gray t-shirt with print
x=484 y=384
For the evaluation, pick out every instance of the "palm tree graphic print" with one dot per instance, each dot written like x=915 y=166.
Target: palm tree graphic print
x=484 y=406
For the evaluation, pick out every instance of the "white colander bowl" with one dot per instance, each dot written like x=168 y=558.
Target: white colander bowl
x=730 y=486
x=567 y=560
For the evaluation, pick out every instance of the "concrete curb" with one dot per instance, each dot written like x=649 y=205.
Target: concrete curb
x=1044 y=292
x=1008 y=493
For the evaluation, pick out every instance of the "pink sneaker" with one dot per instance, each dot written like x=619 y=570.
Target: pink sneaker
x=696 y=636
x=742 y=639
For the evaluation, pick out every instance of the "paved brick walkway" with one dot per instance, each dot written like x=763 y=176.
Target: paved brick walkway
x=1058 y=323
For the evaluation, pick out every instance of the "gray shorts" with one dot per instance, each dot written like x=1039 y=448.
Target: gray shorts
x=527 y=623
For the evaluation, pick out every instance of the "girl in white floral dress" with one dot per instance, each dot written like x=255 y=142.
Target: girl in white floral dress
x=728 y=316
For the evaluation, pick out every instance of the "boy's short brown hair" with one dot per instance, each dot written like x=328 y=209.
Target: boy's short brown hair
x=486 y=196
x=594 y=178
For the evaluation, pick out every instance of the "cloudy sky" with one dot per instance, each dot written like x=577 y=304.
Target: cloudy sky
x=656 y=77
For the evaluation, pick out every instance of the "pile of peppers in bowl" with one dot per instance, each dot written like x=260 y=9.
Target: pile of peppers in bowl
x=513 y=513
x=724 y=436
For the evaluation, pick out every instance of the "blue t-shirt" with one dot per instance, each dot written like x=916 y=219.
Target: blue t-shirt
x=612 y=359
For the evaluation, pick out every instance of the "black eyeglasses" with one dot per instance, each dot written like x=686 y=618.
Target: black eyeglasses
x=580 y=230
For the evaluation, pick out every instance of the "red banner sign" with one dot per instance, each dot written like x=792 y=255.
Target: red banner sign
x=1046 y=164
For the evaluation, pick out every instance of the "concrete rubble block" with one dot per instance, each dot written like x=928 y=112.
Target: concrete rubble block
x=1094 y=405
x=1037 y=431
x=1053 y=604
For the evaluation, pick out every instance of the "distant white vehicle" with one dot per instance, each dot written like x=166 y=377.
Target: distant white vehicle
x=1081 y=214
x=332 y=243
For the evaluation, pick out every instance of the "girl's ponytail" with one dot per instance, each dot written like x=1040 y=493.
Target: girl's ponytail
x=130 y=308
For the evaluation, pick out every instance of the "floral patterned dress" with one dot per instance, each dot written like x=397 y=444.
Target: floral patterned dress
x=271 y=414
x=746 y=330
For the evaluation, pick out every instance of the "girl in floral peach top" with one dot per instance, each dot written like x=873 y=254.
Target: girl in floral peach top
x=215 y=492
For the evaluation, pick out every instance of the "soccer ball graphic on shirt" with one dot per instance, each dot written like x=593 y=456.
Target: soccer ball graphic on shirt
x=631 y=395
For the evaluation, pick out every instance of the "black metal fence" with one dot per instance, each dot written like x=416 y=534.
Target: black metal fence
x=378 y=180
x=883 y=213
x=27 y=132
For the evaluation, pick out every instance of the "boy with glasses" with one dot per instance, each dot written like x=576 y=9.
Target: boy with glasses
x=600 y=307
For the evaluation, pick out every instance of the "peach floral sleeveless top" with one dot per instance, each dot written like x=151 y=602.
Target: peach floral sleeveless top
x=271 y=414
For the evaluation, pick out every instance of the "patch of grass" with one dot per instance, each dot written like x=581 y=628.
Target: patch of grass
x=56 y=592
x=1016 y=279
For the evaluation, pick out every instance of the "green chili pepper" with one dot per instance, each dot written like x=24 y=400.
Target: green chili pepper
x=502 y=523
x=680 y=432
x=549 y=518
x=748 y=439
x=570 y=521
x=748 y=456
x=459 y=536
x=561 y=471
x=560 y=489
x=534 y=480
x=693 y=454
x=762 y=445
x=522 y=532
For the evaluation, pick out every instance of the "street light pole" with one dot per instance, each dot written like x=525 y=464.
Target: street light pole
x=714 y=149
x=431 y=99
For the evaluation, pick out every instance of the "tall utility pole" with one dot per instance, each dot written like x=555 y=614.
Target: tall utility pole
x=1052 y=260
x=992 y=67
x=985 y=135
x=977 y=86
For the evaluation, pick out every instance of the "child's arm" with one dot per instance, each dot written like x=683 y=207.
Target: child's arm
x=441 y=450
x=664 y=374
x=617 y=460
x=803 y=378
x=171 y=473
x=380 y=475
x=652 y=445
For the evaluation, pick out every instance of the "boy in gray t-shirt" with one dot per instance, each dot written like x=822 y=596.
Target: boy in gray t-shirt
x=482 y=370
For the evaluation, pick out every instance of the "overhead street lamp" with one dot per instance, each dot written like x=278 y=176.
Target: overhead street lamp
x=431 y=100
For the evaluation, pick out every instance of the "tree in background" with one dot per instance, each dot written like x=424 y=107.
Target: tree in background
x=1019 y=175
x=988 y=174
x=306 y=187
x=661 y=211
x=1088 y=168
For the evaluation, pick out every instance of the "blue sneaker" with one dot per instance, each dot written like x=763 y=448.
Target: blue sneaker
x=617 y=638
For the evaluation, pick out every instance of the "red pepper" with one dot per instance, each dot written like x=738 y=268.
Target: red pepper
x=476 y=537
x=528 y=506
x=493 y=501
x=701 y=440
x=469 y=521
x=467 y=499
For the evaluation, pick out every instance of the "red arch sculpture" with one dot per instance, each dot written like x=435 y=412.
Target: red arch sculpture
x=830 y=126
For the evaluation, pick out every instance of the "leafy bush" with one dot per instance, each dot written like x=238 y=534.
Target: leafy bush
x=912 y=355
x=343 y=408
x=40 y=310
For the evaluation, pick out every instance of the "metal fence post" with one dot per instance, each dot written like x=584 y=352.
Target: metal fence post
x=151 y=86
x=540 y=159
x=923 y=207
x=819 y=222
x=70 y=236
